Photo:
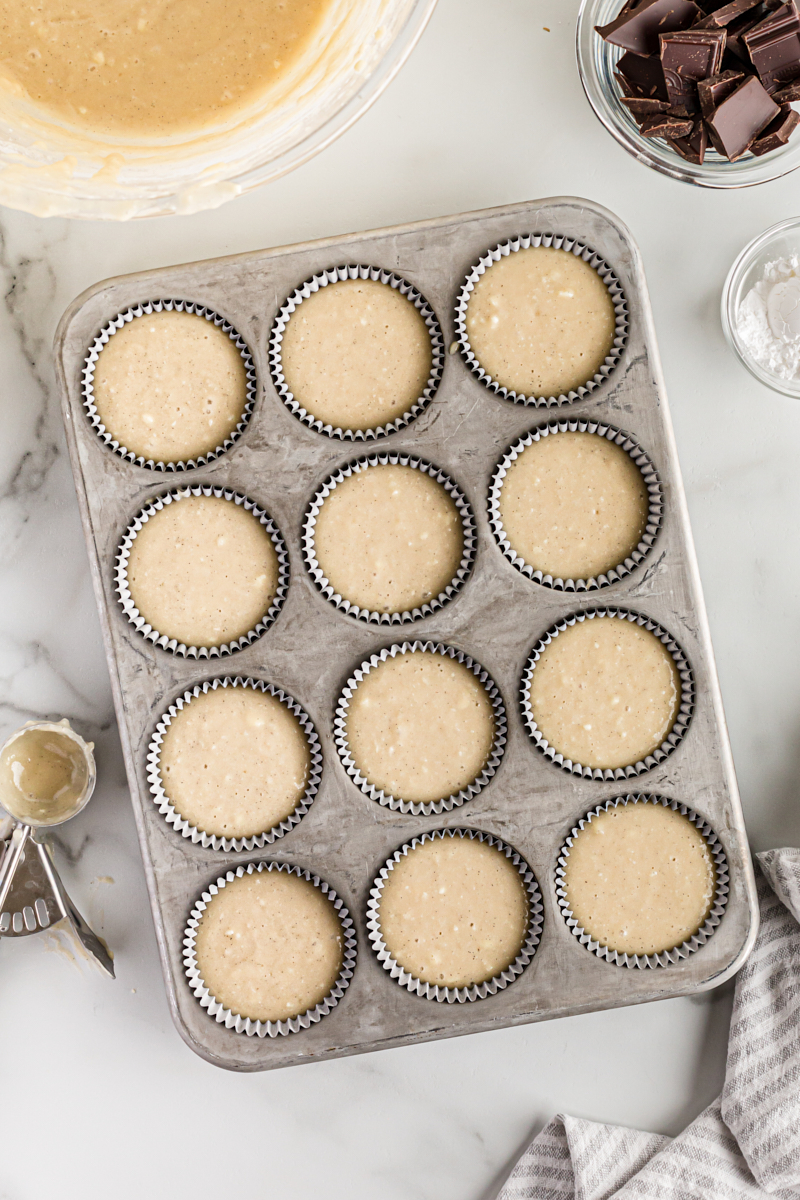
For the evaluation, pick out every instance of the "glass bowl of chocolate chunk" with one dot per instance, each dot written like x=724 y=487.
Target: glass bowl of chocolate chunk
x=707 y=91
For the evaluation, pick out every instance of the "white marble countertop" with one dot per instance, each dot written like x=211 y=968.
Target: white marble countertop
x=488 y=110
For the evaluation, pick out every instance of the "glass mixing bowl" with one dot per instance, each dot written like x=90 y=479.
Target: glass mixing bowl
x=779 y=241
x=596 y=62
x=49 y=169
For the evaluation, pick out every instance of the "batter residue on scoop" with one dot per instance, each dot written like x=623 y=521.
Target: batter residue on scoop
x=454 y=912
x=574 y=505
x=356 y=354
x=605 y=692
x=269 y=946
x=420 y=726
x=44 y=774
x=540 y=321
x=234 y=762
x=640 y=878
x=143 y=68
x=170 y=386
x=389 y=538
x=203 y=570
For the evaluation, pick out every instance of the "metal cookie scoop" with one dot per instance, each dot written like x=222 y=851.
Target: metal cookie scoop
x=47 y=775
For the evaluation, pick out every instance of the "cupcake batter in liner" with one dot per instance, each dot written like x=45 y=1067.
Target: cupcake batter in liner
x=665 y=957
x=476 y=991
x=336 y=275
x=213 y=841
x=145 y=309
x=231 y=1020
x=655 y=504
x=682 y=720
x=431 y=807
x=172 y=644
x=558 y=242
x=431 y=606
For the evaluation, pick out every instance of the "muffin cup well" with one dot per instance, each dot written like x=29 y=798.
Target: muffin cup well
x=172 y=644
x=665 y=957
x=476 y=991
x=337 y=275
x=145 y=309
x=431 y=807
x=675 y=735
x=214 y=841
x=557 y=242
x=431 y=606
x=231 y=1020
x=651 y=480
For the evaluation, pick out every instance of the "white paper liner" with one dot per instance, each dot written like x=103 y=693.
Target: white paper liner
x=214 y=841
x=430 y=807
x=145 y=309
x=172 y=644
x=336 y=275
x=475 y=991
x=672 y=739
x=430 y=606
x=558 y=242
x=231 y=1020
x=649 y=475
x=665 y=957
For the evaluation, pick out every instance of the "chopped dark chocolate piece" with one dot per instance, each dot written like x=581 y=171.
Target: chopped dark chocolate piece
x=644 y=74
x=777 y=132
x=740 y=119
x=716 y=88
x=774 y=47
x=736 y=31
x=726 y=13
x=686 y=57
x=637 y=29
x=663 y=125
x=624 y=86
x=788 y=94
x=693 y=148
x=644 y=106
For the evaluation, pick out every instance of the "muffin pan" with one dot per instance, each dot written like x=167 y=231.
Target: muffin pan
x=497 y=617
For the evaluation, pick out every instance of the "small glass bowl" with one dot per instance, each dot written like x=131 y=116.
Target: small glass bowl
x=596 y=62
x=779 y=241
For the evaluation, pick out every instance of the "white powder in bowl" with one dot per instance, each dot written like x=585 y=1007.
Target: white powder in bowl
x=768 y=320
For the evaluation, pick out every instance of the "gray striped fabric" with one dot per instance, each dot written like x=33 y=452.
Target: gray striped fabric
x=745 y=1145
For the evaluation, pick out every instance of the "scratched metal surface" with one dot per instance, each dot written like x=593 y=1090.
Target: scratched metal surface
x=312 y=649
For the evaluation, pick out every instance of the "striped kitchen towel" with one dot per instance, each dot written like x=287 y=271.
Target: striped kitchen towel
x=744 y=1146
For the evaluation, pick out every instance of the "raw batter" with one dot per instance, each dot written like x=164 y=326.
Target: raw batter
x=234 y=762
x=203 y=570
x=356 y=354
x=170 y=386
x=389 y=538
x=605 y=692
x=640 y=879
x=420 y=726
x=44 y=774
x=269 y=946
x=540 y=321
x=145 y=68
x=454 y=912
x=574 y=505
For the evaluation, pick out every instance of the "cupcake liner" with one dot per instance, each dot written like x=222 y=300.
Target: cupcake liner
x=140 y=310
x=231 y=1020
x=559 y=242
x=431 y=606
x=214 y=841
x=430 y=807
x=172 y=644
x=336 y=275
x=665 y=957
x=649 y=474
x=675 y=735
x=475 y=991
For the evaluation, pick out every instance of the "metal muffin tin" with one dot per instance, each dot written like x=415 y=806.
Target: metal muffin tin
x=499 y=615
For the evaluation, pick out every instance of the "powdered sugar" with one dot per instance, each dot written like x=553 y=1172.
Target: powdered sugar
x=768 y=318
